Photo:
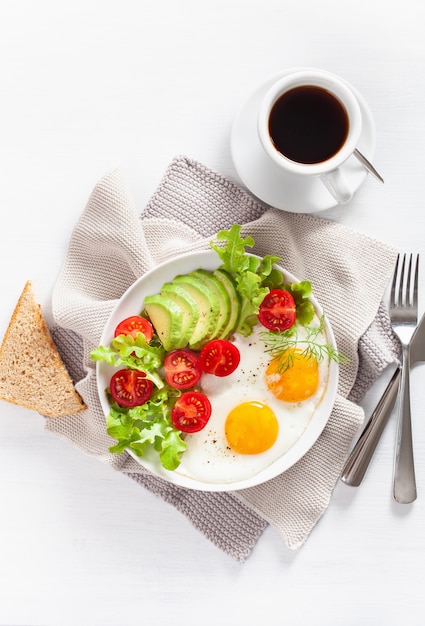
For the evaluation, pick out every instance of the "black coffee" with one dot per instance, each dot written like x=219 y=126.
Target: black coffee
x=308 y=124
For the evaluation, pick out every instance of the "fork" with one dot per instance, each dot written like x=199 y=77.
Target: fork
x=404 y=318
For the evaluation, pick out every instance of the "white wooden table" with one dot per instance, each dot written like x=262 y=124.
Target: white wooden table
x=86 y=86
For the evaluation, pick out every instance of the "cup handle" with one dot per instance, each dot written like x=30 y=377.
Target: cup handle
x=336 y=184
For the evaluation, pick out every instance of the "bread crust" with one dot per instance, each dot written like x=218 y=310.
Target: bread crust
x=32 y=373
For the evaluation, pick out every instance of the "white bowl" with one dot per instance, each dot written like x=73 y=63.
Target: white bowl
x=131 y=303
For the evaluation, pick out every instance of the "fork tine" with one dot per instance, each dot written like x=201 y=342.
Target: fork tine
x=402 y=294
x=408 y=301
x=393 y=284
x=415 y=284
x=401 y=283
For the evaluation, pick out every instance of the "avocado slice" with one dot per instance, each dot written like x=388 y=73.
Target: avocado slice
x=235 y=306
x=208 y=305
x=223 y=298
x=167 y=319
x=187 y=304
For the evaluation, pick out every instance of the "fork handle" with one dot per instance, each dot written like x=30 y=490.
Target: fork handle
x=404 y=467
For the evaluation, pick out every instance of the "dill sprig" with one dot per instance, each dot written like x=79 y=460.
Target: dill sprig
x=281 y=345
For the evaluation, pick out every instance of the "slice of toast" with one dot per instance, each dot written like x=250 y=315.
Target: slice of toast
x=32 y=373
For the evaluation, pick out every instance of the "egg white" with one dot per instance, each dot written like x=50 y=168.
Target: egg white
x=208 y=457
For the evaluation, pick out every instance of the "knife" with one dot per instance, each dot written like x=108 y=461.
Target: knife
x=360 y=456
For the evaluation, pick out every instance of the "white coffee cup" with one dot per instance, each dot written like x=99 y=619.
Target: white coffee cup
x=309 y=124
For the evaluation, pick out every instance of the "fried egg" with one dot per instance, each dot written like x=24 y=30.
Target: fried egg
x=258 y=413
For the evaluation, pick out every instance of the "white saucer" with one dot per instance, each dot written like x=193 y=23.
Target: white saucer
x=280 y=189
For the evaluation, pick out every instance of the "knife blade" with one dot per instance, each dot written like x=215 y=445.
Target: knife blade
x=417 y=343
x=360 y=456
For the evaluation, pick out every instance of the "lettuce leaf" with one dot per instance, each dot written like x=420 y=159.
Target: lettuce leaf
x=254 y=277
x=147 y=426
x=233 y=254
x=301 y=293
x=133 y=353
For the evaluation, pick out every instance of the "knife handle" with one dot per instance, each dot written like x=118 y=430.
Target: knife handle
x=360 y=456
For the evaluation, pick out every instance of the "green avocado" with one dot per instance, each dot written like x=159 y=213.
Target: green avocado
x=167 y=319
x=234 y=303
x=187 y=304
x=223 y=299
x=208 y=305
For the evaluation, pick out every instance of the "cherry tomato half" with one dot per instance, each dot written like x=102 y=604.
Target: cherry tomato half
x=182 y=369
x=277 y=310
x=219 y=357
x=191 y=412
x=130 y=388
x=133 y=325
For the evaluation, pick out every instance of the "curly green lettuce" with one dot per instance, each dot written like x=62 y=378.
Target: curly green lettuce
x=133 y=353
x=301 y=293
x=254 y=277
x=148 y=425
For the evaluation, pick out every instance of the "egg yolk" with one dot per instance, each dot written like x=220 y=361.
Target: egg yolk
x=251 y=428
x=298 y=382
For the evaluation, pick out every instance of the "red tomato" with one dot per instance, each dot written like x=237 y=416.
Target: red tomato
x=182 y=369
x=133 y=325
x=219 y=357
x=191 y=412
x=130 y=388
x=277 y=310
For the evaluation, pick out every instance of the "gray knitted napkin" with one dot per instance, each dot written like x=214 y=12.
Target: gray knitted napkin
x=112 y=246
